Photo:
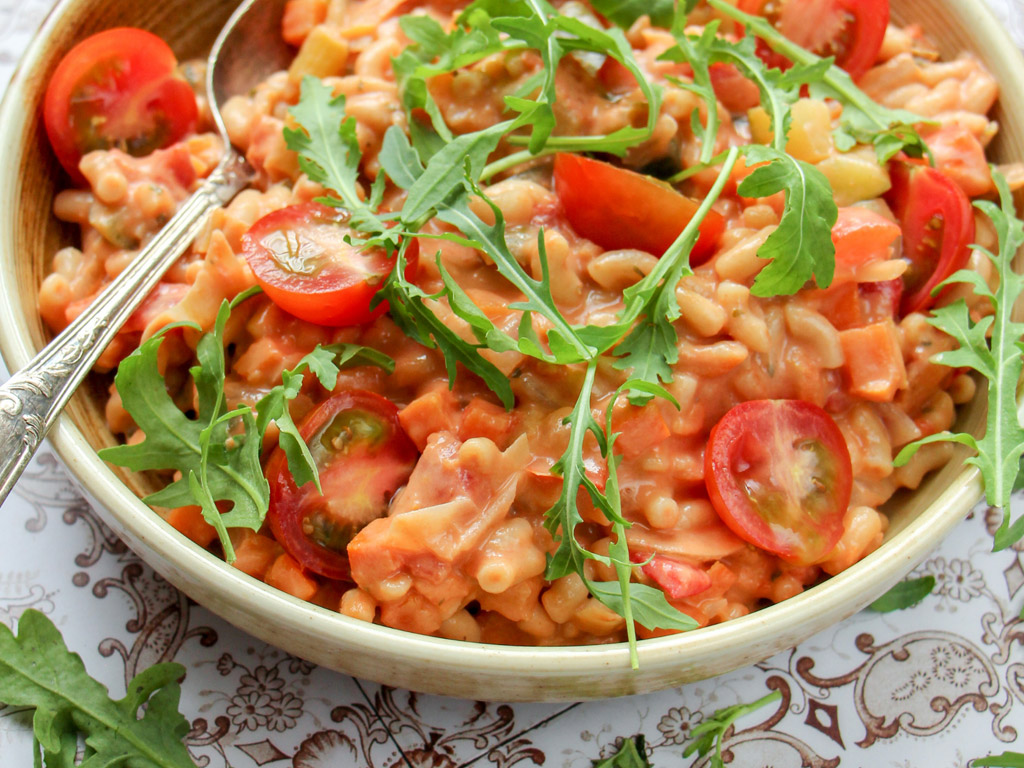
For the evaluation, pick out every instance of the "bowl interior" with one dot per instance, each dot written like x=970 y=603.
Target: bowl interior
x=29 y=236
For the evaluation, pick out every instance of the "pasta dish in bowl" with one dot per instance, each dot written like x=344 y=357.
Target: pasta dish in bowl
x=547 y=343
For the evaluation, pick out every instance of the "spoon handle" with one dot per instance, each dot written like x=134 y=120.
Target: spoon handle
x=33 y=397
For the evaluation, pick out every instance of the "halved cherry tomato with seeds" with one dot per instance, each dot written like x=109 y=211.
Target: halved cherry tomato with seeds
x=850 y=30
x=301 y=257
x=617 y=208
x=778 y=473
x=117 y=88
x=938 y=228
x=362 y=456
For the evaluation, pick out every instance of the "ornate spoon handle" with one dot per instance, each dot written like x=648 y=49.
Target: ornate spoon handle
x=33 y=397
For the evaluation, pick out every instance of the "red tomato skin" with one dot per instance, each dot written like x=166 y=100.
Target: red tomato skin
x=756 y=434
x=394 y=460
x=617 y=208
x=334 y=295
x=125 y=76
x=938 y=229
x=855 y=30
x=677 y=579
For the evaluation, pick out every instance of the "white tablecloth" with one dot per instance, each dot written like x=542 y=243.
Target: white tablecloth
x=935 y=685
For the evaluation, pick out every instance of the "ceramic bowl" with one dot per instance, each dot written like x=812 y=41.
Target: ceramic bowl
x=29 y=235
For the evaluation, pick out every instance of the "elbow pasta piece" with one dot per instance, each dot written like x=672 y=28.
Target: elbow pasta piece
x=507 y=558
x=617 y=270
x=927 y=459
x=564 y=597
x=863 y=530
x=740 y=263
x=816 y=333
x=460 y=626
x=704 y=315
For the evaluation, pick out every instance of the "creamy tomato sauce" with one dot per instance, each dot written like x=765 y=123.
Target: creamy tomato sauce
x=461 y=551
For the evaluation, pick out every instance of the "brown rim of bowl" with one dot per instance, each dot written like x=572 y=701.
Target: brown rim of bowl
x=556 y=673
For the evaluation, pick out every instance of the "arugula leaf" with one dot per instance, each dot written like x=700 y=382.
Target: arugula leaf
x=38 y=671
x=434 y=52
x=697 y=51
x=904 y=595
x=625 y=12
x=993 y=348
x=712 y=731
x=863 y=120
x=649 y=606
x=172 y=441
x=328 y=150
x=408 y=306
x=650 y=351
x=634 y=602
x=1005 y=760
x=563 y=518
x=801 y=246
x=445 y=176
x=324 y=363
x=632 y=753
x=216 y=463
x=566 y=345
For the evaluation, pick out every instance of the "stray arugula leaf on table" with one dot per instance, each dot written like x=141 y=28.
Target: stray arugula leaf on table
x=38 y=671
x=904 y=595
x=991 y=346
x=711 y=732
x=1005 y=760
x=632 y=753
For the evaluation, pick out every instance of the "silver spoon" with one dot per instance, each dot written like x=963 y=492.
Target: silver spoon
x=248 y=49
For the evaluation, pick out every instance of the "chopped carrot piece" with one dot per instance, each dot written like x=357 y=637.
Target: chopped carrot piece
x=189 y=521
x=300 y=16
x=874 y=361
x=842 y=306
x=484 y=419
x=722 y=579
x=435 y=411
x=255 y=553
x=642 y=431
x=287 y=575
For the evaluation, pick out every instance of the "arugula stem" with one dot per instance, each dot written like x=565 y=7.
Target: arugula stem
x=834 y=77
x=510 y=161
x=682 y=246
x=693 y=170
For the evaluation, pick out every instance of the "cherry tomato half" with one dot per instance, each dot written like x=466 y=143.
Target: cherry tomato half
x=778 y=473
x=301 y=259
x=363 y=456
x=117 y=88
x=850 y=30
x=938 y=228
x=617 y=208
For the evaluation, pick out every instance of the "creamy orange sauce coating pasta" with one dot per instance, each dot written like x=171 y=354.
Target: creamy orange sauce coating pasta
x=461 y=553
